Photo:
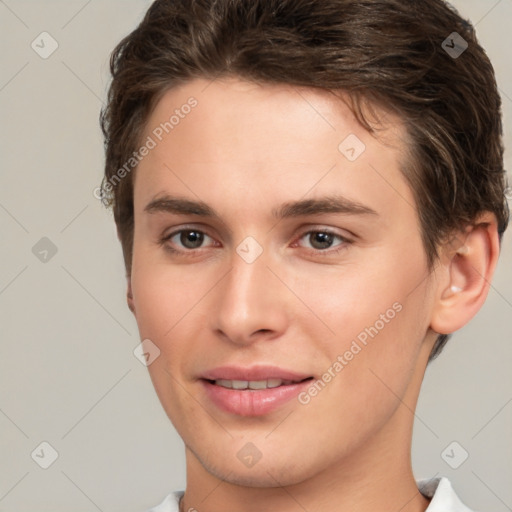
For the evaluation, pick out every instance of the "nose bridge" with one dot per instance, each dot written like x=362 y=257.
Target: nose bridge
x=248 y=281
x=248 y=301
x=250 y=274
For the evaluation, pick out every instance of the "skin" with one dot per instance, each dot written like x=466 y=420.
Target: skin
x=244 y=150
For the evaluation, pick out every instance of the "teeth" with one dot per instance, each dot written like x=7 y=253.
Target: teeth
x=224 y=383
x=274 y=383
x=239 y=384
x=258 y=384
x=251 y=384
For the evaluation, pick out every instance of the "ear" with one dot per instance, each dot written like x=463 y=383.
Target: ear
x=129 y=296
x=465 y=272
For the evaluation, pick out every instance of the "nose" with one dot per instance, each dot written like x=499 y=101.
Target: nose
x=251 y=303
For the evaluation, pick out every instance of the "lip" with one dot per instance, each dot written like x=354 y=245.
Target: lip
x=260 y=372
x=251 y=402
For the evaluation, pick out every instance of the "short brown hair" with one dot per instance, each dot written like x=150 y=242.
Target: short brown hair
x=390 y=52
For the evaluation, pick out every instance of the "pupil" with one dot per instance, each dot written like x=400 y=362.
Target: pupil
x=191 y=239
x=324 y=240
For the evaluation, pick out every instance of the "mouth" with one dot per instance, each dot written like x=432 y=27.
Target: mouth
x=254 y=391
x=255 y=385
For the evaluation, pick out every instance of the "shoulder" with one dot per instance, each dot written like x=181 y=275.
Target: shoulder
x=169 y=504
x=444 y=498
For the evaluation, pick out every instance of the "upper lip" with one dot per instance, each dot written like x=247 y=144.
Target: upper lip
x=261 y=372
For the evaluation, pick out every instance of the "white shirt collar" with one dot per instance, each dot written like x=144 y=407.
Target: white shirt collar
x=443 y=496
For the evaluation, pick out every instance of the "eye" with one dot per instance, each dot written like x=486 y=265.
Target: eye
x=320 y=240
x=188 y=238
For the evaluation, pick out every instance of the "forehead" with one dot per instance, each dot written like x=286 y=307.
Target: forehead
x=236 y=141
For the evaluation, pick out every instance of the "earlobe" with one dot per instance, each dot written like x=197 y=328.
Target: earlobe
x=466 y=273
x=129 y=295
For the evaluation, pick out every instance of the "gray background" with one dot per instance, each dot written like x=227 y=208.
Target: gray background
x=68 y=375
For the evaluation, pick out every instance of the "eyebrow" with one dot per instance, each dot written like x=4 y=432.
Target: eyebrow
x=290 y=209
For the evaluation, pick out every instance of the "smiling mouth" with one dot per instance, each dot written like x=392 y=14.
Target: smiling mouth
x=258 y=396
x=255 y=385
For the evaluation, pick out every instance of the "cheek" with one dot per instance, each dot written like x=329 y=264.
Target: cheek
x=354 y=299
x=376 y=314
x=164 y=303
x=155 y=303
x=172 y=309
x=163 y=293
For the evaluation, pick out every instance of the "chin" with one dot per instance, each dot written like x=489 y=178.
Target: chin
x=273 y=471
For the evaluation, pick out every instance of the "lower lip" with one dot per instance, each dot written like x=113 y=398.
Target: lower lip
x=250 y=402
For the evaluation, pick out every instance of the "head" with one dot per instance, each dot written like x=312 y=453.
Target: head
x=245 y=107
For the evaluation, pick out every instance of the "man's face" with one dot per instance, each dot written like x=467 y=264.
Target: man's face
x=328 y=304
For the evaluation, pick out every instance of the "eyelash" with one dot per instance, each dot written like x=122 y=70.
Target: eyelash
x=192 y=252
